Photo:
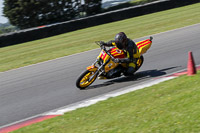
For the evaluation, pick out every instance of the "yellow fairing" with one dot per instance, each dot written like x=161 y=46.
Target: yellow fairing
x=92 y=68
x=103 y=56
x=143 y=46
x=112 y=65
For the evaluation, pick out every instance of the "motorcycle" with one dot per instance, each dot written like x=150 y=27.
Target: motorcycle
x=105 y=67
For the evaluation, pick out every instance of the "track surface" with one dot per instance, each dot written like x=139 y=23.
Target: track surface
x=42 y=87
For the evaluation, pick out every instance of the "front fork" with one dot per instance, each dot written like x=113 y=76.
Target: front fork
x=96 y=69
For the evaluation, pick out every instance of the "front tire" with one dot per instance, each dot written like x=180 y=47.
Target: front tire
x=83 y=81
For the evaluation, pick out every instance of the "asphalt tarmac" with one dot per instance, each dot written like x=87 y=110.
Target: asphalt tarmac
x=42 y=87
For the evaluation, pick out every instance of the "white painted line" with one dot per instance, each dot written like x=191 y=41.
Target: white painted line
x=103 y=97
x=119 y=92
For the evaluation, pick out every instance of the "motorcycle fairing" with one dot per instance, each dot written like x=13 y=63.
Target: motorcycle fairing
x=111 y=65
x=144 y=45
x=92 y=68
x=117 y=53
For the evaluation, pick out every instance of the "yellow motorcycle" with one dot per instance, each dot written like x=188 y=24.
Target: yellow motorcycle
x=105 y=66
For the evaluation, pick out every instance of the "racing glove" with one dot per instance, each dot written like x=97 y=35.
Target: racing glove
x=102 y=43
x=117 y=60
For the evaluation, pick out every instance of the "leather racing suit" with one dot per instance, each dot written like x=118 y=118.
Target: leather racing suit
x=132 y=52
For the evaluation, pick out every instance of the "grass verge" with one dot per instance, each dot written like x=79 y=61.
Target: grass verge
x=171 y=106
x=82 y=40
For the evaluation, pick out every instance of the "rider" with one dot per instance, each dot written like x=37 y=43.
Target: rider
x=127 y=45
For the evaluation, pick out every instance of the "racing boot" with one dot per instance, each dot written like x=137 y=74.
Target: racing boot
x=129 y=72
x=101 y=76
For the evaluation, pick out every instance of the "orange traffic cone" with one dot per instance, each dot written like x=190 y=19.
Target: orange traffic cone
x=191 y=68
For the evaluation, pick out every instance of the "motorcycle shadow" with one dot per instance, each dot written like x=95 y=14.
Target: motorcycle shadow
x=137 y=76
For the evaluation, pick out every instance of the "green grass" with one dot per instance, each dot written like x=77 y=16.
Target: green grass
x=82 y=40
x=169 y=107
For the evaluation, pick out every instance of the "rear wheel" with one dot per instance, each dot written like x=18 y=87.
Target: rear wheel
x=83 y=81
x=139 y=62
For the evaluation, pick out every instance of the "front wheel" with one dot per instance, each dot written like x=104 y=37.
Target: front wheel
x=83 y=81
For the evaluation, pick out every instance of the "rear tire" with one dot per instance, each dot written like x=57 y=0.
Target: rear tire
x=82 y=82
x=139 y=62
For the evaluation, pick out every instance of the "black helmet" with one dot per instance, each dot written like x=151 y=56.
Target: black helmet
x=121 y=40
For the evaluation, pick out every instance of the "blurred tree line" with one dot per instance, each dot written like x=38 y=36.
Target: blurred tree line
x=7 y=27
x=32 y=13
